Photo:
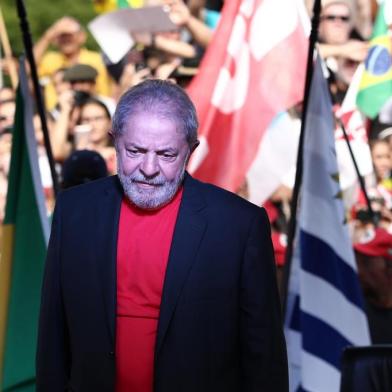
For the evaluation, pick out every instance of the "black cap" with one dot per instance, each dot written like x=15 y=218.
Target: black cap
x=83 y=166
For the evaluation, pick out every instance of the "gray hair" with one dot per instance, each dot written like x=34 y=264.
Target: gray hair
x=160 y=97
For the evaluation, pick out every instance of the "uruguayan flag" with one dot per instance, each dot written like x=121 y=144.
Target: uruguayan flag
x=324 y=307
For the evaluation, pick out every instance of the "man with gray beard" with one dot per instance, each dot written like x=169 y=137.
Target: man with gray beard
x=155 y=281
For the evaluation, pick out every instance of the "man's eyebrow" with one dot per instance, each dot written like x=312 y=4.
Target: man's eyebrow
x=134 y=145
x=159 y=150
x=166 y=149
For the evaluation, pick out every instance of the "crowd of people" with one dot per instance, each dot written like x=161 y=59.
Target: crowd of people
x=81 y=88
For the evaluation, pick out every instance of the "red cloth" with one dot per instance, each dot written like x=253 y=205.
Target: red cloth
x=250 y=80
x=143 y=248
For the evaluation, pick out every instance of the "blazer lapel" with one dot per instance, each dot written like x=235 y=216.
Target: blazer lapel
x=106 y=249
x=188 y=233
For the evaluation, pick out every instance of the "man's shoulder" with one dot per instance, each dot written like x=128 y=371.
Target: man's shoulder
x=222 y=199
x=51 y=62
x=89 y=192
x=88 y=56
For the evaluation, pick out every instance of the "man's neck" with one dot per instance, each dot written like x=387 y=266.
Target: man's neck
x=73 y=58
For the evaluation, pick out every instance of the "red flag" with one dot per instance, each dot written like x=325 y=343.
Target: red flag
x=253 y=69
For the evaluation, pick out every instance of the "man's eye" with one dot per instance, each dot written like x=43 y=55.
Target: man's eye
x=133 y=152
x=167 y=155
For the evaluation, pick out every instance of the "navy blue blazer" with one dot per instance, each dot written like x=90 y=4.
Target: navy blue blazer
x=220 y=325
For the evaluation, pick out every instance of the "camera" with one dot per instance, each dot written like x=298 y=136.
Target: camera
x=365 y=216
x=81 y=97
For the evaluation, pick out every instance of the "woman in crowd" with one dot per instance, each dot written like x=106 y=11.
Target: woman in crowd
x=83 y=127
x=92 y=132
x=382 y=161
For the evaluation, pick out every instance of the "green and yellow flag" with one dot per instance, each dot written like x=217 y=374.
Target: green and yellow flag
x=376 y=84
x=23 y=248
x=103 y=6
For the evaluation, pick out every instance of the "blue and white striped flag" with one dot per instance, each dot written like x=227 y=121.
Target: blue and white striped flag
x=324 y=306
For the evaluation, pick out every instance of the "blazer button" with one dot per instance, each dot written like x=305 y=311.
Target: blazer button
x=111 y=354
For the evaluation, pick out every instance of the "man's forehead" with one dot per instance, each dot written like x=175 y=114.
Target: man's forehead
x=336 y=6
x=7 y=107
x=142 y=127
x=145 y=119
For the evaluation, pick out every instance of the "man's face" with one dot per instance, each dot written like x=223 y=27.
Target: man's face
x=335 y=24
x=375 y=274
x=70 y=43
x=7 y=112
x=381 y=155
x=83 y=85
x=152 y=154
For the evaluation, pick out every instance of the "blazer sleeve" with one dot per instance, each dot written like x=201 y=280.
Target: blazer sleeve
x=53 y=358
x=263 y=349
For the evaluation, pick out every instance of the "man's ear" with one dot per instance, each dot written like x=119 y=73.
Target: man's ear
x=82 y=37
x=111 y=135
x=195 y=145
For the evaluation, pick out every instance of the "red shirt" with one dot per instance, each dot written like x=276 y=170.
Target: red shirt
x=143 y=248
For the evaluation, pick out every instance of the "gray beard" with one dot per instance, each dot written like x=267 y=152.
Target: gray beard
x=150 y=199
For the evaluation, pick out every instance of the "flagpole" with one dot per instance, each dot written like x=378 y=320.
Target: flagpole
x=373 y=216
x=298 y=175
x=38 y=95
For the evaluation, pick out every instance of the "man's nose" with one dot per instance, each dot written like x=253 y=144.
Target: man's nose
x=149 y=167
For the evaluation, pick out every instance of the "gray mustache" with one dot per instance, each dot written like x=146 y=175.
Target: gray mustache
x=149 y=181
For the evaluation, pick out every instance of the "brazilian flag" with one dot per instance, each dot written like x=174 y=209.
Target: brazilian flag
x=24 y=240
x=376 y=84
x=103 y=6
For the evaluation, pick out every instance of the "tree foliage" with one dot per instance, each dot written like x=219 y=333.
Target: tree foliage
x=43 y=13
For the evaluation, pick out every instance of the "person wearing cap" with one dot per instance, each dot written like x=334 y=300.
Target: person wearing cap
x=81 y=167
x=82 y=77
x=68 y=111
x=374 y=260
x=68 y=36
x=83 y=81
x=154 y=281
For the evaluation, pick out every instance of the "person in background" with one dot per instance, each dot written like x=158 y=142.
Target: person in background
x=7 y=113
x=82 y=79
x=386 y=134
x=90 y=130
x=341 y=52
x=182 y=17
x=382 y=160
x=43 y=162
x=68 y=37
x=81 y=167
x=6 y=94
x=379 y=193
x=374 y=260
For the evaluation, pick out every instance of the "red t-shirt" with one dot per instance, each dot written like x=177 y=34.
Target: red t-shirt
x=143 y=248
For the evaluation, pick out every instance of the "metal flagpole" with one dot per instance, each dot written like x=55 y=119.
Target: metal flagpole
x=298 y=175
x=38 y=95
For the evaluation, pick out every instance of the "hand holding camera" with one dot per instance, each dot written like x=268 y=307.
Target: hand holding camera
x=66 y=100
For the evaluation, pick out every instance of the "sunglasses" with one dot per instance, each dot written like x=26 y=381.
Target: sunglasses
x=334 y=18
